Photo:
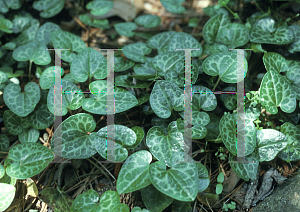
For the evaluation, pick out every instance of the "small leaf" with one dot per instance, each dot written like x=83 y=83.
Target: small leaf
x=87 y=201
x=88 y=63
x=6 y=25
x=220 y=178
x=22 y=103
x=101 y=24
x=34 y=52
x=219 y=188
x=49 y=8
x=66 y=40
x=122 y=64
x=99 y=7
x=275 y=62
x=47 y=78
x=9 y=72
x=212 y=11
x=148 y=21
x=126 y=29
x=43 y=35
x=29 y=135
x=134 y=174
x=139 y=135
x=32 y=189
x=75 y=141
x=173 y=6
x=265 y=31
x=136 y=52
x=6 y=196
x=27 y=160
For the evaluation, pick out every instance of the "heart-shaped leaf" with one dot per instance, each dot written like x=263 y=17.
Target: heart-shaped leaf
x=182 y=40
x=198 y=131
x=72 y=97
x=124 y=100
x=161 y=41
x=126 y=29
x=122 y=64
x=28 y=34
x=127 y=81
x=180 y=182
x=165 y=97
x=43 y=35
x=228 y=131
x=29 y=135
x=145 y=69
x=13 y=123
x=275 y=91
x=225 y=65
x=212 y=11
x=173 y=6
x=99 y=7
x=76 y=142
x=163 y=146
x=27 y=160
x=21 y=23
x=295 y=45
x=269 y=143
x=49 y=8
x=292 y=152
x=148 y=21
x=6 y=25
x=154 y=200
x=66 y=40
x=41 y=117
x=139 y=135
x=265 y=31
x=47 y=78
x=6 y=196
x=275 y=62
x=134 y=173
x=136 y=52
x=203 y=176
x=248 y=170
x=88 y=63
x=211 y=29
x=56 y=200
x=234 y=35
x=22 y=103
x=34 y=52
x=124 y=136
x=102 y=24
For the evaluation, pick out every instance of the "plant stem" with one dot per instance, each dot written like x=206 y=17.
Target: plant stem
x=90 y=79
x=30 y=64
x=216 y=84
x=234 y=14
x=70 y=111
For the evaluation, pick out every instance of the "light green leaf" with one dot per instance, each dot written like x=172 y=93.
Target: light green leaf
x=126 y=29
x=248 y=170
x=6 y=25
x=136 y=52
x=295 y=45
x=9 y=46
x=219 y=188
x=154 y=200
x=275 y=62
x=161 y=41
x=234 y=35
x=43 y=35
x=211 y=29
x=87 y=201
x=28 y=34
x=182 y=40
x=228 y=132
x=29 y=135
x=139 y=135
x=173 y=6
x=6 y=196
x=212 y=11
x=122 y=65
x=138 y=209
x=179 y=182
x=134 y=174
x=269 y=143
x=165 y=97
x=124 y=100
x=34 y=52
x=225 y=65
x=21 y=23
x=47 y=78
x=148 y=21
x=66 y=40
x=49 y=8
x=145 y=69
x=198 y=131
x=124 y=136
x=275 y=91
x=265 y=31
x=203 y=177
x=163 y=146
x=22 y=103
x=27 y=160
x=9 y=72
x=72 y=98
x=99 y=7
x=2 y=171
x=12 y=4
x=3 y=77
x=215 y=48
x=76 y=143
x=88 y=63
x=56 y=200
x=102 y=24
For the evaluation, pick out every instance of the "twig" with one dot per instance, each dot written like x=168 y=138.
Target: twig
x=209 y=205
